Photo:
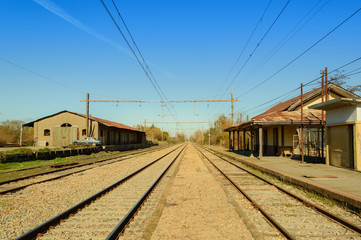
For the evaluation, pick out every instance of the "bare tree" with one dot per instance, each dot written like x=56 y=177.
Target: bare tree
x=340 y=79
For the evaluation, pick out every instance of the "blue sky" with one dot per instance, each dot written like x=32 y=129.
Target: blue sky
x=190 y=47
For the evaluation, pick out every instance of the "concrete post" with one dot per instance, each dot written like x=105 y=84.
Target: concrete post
x=260 y=142
x=244 y=142
x=251 y=147
x=233 y=141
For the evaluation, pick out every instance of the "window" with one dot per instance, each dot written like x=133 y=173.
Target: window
x=66 y=125
x=83 y=132
x=46 y=132
x=101 y=133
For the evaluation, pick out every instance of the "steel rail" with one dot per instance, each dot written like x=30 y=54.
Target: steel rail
x=273 y=221
x=339 y=220
x=130 y=215
x=55 y=220
x=121 y=158
x=25 y=169
x=67 y=168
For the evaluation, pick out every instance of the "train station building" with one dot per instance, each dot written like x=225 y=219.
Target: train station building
x=62 y=128
x=277 y=131
x=343 y=141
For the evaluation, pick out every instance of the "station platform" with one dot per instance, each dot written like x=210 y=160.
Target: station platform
x=339 y=184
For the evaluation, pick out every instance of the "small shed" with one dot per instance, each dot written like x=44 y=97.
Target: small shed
x=343 y=129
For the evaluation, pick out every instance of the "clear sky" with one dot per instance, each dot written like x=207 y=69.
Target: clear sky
x=54 y=51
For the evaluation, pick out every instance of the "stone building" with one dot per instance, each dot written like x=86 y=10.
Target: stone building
x=62 y=128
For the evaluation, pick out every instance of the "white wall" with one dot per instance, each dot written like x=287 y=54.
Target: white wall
x=343 y=115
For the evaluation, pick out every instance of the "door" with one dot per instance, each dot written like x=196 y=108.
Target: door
x=340 y=139
x=64 y=136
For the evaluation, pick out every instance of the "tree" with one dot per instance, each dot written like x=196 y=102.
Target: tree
x=10 y=132
x=218 y=136
x=339 y=78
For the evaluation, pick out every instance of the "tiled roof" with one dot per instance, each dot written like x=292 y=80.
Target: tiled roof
x=283 y=106
x=99 y=120
x=285 y=116
x=114 y=124
x=284 y=112
x=292 y=104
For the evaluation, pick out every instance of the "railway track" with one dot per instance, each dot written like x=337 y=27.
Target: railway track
x=17 y=184
x=294 y=217
x=107 y=213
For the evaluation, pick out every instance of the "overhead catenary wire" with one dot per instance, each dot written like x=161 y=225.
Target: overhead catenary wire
x=309 y=83
x=144 y=66
x=287 y=37
x=145 y=63
x=40 y=75
x=136 y=46
x=300 y=55
x=258 y=44
x=254 y=50
x=245 y=46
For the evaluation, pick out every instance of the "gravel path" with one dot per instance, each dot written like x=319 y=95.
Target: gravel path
x=197 y=208
x=24 y=210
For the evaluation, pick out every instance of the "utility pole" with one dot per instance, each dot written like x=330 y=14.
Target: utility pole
x=301 y=129
x=21 y=135
x=232 y=99
x=145 y=125
x=209 y=134
x=202 y=138
x=326 y=83
x=161 y=115
x=87 y=115
x=322 y=114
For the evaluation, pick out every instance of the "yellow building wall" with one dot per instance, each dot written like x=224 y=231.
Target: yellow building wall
x=58 y=120
x=357 y=145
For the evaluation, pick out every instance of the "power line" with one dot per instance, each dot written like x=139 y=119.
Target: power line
x=40 y=75
x=284 y=41
x=250 y=37
x=309 y=83
x=258 y=44
x=308 y=49
x=130 y=47
x=145 y=66
x=136 y=46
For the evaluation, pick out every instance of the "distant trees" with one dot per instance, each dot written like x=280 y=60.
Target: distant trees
x=10 y=133
x=218 y=136
x=155 y=134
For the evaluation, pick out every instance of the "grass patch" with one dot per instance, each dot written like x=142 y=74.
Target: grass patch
x=320 y=199
x=16 y=151
x=46 y=149
x=4 y=203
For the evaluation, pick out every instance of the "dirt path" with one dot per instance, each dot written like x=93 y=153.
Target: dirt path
x=197 y=207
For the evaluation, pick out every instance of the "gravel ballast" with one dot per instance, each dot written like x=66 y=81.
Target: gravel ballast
x=24 y=210
x=197 y=207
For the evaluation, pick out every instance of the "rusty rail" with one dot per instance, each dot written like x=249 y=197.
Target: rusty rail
x=123 y=223
x=345 y=223
x=273 y=221
x=32 y=234
x=121 y=158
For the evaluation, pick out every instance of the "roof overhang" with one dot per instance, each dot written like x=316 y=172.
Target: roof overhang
x=336 y=103
x=247 y=125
